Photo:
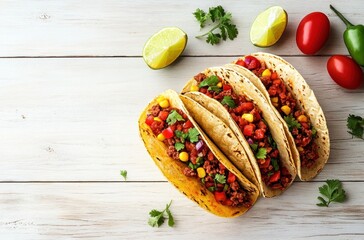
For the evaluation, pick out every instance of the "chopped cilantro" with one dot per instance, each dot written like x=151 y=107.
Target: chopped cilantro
x=211 y=189
x=215 y=89
x=220 y=178
x=193 y=135
x=292 y=122
x=275 y=165
x=356 y=126
x=228 y=101
x=199 y=162
x=181 y=135
x=254 y=146
x=210 y=81
x=173 y=117
x=261 y=154
x=179 y=146
x=226 y=187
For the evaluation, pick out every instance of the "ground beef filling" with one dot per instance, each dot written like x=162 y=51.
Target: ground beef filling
x=303 y=133
x=187 y=146
x=249 y=119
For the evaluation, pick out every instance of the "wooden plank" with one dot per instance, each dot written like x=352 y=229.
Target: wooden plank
x=76 y=119
x=120 y=28
x=120 y=211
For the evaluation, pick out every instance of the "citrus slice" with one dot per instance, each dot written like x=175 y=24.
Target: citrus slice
x=164 y=47
x=268 y=27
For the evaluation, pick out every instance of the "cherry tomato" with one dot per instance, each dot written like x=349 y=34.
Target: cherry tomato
x=275 y=177
x=168 y=133
x=187 y=124
x=241 y=63
x=231 y=177
x=149 y=120
x=163 y=115
x=251 y=62
x=345 y=71
x=312 y=32
x=248 y=130
x=220 y=196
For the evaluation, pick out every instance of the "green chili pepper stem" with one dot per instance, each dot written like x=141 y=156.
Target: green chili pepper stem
x=348 y=24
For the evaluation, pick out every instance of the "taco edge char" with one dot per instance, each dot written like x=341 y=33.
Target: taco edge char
x=235 y=100
x=198 y=169
x=295 y=105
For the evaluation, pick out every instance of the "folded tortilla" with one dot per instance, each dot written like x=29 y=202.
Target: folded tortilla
x=173 y=169
x=306 y=100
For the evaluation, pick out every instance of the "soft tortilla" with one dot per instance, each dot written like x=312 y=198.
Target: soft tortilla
x=301 y=91
x=173 y=170
x=242 y=85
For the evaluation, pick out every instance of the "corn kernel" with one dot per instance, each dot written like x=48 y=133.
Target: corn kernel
x=302 y=118
x=248 y=116
x=266 y=73
x=157 y=119
x=274 y=99
x=183 y=156
x=164 y=103
x=160 y=99
x=161 y=137
x=219 y=85
x=286 y=109
x=194 y=88
x=201 y=172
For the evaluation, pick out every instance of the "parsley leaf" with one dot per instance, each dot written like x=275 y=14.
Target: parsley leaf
x=179 y=146
x=124 y=173
x=181 y=135
x=261 y=154
x=157 y=218
x=222 y=24
x=292 y=122
x=193 y=135
x=210 y=81
x=333 y=191
x=356 y=126
x=215 y=89
x=173 y=117
x=220 y=178
x=228 y=101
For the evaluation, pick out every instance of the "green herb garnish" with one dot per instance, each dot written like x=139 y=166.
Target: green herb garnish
x=215 y=89
x=333 y=191
x=220 y=178
x=209 y=82
x=292 y=122
x=222 y=24
x=124 y=173
x=228 y=100
x=275 y=165
x=181 y=135
x=193 y=135
x=254 y=146
x=261 y=154
x=173 y=117
x=157 y=217
x=356 y=126
x=179 y=146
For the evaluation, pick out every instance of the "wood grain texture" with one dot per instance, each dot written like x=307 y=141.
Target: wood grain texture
x=120 y=28
x=76 y=119
x=120 y=211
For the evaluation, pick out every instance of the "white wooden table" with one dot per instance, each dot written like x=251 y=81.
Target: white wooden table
x=72 y=85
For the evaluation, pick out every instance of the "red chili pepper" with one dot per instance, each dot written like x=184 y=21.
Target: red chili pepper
x=168 y=133
x=241 y=63
x=231 y=177
x=163 y=115
x=187 y=124
x=149 y=120
x=220 y=196
x=252 y=62
x=275 y=177
x=248 y=130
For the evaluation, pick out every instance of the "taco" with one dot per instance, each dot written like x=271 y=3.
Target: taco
x=190 y=161
x=296 y=106
x=234 y=99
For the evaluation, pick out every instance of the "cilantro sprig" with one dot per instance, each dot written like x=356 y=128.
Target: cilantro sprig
x=173 y=117
x=222 y=24
x=191 y=135
x=356 y=126
x=261 y=154
x=333 y=191
x=124 y=174
x=292 y=122
x=157 y=218
x=228 y=100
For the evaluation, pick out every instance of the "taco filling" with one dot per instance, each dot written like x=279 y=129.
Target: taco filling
x=184 y=144
x=299 y=125
x=254 y=128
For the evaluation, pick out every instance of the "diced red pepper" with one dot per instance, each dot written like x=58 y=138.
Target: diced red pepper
x=252 y=62
x=231 y=177
x=248 y=130
x=168 y=132
x=265 y=164
x=149 y=120
x=275 y=177
x=226 y=87
x=220 y=196
x=187 y=124
x=247 y=106
x=163 y=115
x=241 y=63
x=259 y=134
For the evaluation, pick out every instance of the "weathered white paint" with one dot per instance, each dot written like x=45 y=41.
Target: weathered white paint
x=71 y=123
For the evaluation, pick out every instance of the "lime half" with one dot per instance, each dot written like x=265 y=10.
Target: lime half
x=164 y=47
x=268 y=27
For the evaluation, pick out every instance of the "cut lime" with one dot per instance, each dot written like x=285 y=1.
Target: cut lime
x=164 y=47
x=268 y=27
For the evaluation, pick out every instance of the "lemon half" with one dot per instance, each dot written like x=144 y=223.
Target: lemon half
x=268 y=27
x=164 y=47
